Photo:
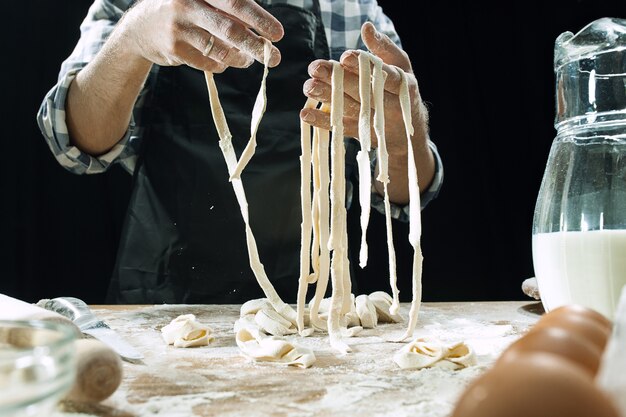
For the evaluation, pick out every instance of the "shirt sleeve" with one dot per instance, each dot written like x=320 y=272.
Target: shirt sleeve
x=100 y=21
x=343 y=20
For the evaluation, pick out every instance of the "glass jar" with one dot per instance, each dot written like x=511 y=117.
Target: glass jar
x=579 y=226
x=37 y=366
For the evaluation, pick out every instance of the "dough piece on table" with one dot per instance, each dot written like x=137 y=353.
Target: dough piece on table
x=366 y=310
x=530 y=288
x=185 y=331
x=250 y=325
x=253 y=306
x=273 y=323
x=258 y=346
x=382 y=301
x=429 y=352
x=268 y=319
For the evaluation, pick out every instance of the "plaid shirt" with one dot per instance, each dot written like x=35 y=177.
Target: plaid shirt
x=342 y=21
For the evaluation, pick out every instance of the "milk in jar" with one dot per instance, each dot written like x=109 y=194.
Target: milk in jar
x=579 y=224
x=582 y=267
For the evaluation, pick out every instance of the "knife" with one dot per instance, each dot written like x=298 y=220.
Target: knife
x=79 y=312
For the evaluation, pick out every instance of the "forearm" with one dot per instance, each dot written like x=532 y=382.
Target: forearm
x=101 y=98
x=398 y=187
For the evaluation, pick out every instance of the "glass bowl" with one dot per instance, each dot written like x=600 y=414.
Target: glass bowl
x=37 y=366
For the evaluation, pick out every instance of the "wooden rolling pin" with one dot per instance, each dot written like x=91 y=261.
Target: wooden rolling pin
x=99 y=368
x=98 y=372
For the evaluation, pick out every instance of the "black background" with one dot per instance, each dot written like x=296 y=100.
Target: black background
x=485 y=72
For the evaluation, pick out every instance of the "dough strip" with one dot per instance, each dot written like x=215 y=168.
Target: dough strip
x=257 y=114
x=337 y=200
x=323 y=201
x=378 y=82
x=362 y=157
x=415 y=225
x=228 y=151
x=306 y=226
x=315 y=214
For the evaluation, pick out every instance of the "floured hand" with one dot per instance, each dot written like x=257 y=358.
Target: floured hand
x=394 y=60
x=207 y=35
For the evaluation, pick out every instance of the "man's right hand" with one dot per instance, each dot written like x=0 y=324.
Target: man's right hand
x=203 y=34
x=209 y=35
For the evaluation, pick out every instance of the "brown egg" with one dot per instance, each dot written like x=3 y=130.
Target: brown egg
x=580 y=324
x=535 y=385
x=557 y=341
x=579 y=310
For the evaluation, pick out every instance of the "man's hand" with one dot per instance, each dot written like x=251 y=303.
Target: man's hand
x=208 y=35
x=204 y=34
x=394 y=59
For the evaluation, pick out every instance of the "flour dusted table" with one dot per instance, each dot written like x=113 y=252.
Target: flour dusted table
x=218 y=381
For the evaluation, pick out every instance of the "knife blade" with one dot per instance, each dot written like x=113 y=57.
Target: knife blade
x=79 y=312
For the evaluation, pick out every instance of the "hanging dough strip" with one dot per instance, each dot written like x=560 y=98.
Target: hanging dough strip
x=257 y=114
x=337 y=201
x=322 y=137
x=306 y=226
x=415 y=225
x=362 y=157
x=228 y=151
x=378 y=82
x=324 y=225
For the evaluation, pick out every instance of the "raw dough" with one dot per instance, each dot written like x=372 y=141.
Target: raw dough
x=321 y=211
x=257 y=114
x=382 y=301
x=307 y=221
x=185 y=331
x=258 y=332
x=255 y=345
x=230 y=157
x=530 y=288
x=268 y=319
x=362 y=157
x=429 y=352
x=415 y=226
x=341 y=314
x=378 y=84
x=337 y=242
x=273 y=323
x=366 y=311
x=324 y=226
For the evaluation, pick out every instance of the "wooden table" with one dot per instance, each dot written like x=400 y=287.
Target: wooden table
x=218 y=381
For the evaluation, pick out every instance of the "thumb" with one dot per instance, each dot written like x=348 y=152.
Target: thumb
x=380 y=45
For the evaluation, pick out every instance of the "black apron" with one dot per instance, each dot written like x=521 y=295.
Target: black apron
x=184 y=238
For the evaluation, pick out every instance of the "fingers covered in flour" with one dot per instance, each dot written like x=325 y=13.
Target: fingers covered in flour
x=206 y=35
